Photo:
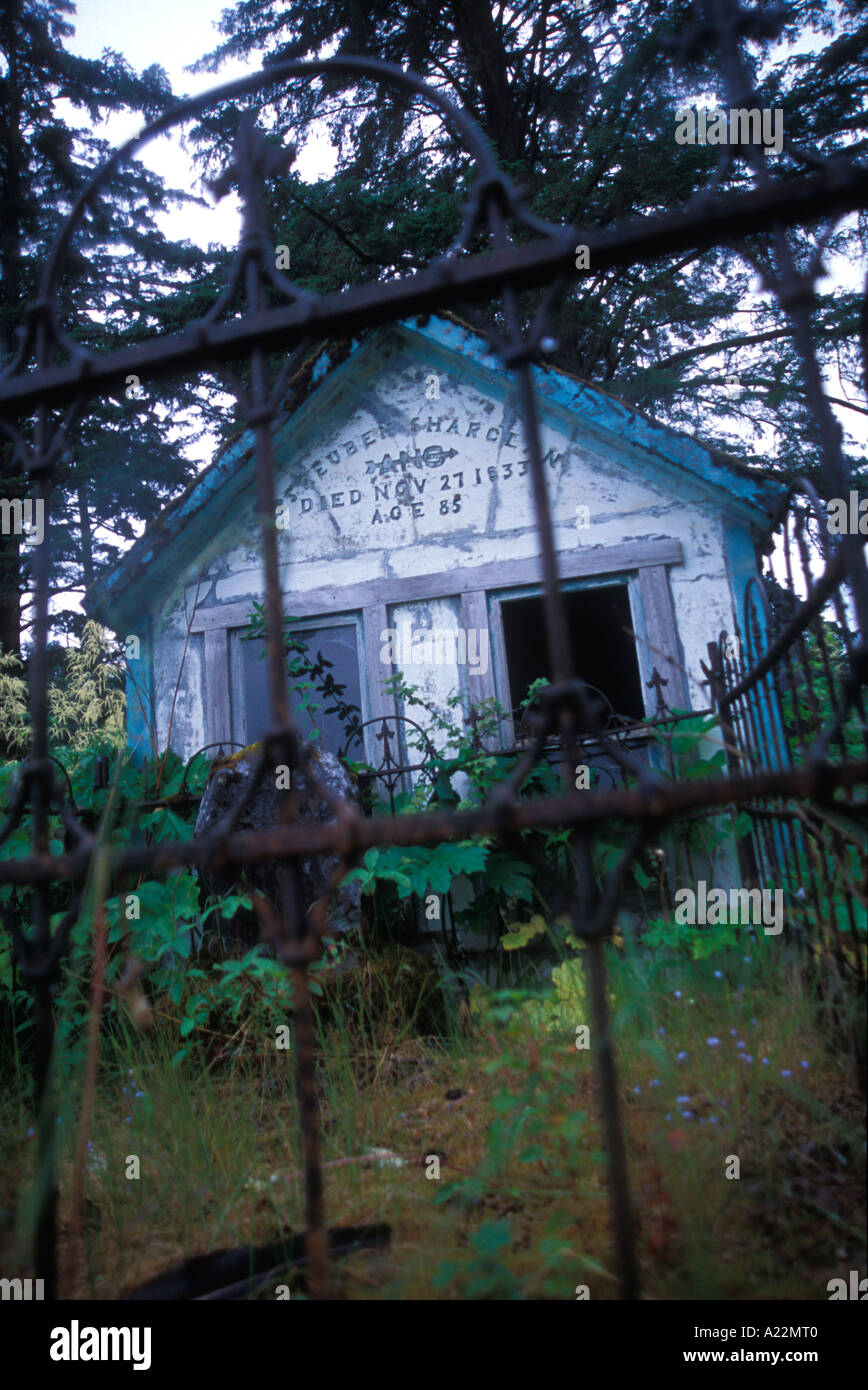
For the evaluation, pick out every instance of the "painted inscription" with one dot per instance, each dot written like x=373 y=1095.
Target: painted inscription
x=403 y=482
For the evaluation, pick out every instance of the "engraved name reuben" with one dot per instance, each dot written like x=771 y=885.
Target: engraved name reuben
x=400 y=482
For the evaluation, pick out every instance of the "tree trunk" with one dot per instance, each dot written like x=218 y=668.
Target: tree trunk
x=11 y=481
x=86 y=538
x=483 y=51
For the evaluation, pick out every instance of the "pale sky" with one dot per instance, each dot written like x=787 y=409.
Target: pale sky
x=175 y=34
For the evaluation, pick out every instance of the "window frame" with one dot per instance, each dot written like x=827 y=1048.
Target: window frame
x=496 y=600
x=646 y=563
x=238 y=712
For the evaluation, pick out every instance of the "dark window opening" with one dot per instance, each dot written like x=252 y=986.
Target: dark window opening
x=335 y=644
x=603 y=651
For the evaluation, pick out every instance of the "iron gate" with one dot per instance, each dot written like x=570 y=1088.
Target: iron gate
x=787 y=693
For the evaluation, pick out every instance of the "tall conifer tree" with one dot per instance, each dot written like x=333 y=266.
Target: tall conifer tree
x=578 y=98
x=126 y=460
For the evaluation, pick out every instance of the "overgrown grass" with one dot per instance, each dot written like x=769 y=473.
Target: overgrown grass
x=729 y=1057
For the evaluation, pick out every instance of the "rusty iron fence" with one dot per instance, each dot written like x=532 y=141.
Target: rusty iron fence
x=787 y=692
x=47 y=386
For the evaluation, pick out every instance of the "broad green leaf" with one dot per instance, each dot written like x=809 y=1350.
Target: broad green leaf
x=520 y=933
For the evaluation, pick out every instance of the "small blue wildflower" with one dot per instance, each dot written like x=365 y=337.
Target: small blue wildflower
x=682 y=1100
x=765 y=1061
x=669 y=1117
x=718 y=974
x=127 y=1120
x=805 y=1065
x=740 y=1043
x=712 y=1119
x=661 y=1030
x=712 y=1042
x=687 y=1114
x=754 y=1023
x=654 y=1082
x=733 y=1032
x=786 y=1072
x=702 y=1119
x=746 y=1057
x=678 y=994
x=30 y=1133
x=637 y=1090
x=681 y=1057
x=139 y=1095
x=746 y=959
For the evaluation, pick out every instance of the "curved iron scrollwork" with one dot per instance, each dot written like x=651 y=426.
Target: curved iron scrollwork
x=391 y=770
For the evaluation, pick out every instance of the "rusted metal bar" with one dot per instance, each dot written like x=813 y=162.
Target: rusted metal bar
x=589 y=808
x=639 y=240
x=830 y=580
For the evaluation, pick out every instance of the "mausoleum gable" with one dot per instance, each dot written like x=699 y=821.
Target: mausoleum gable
x=196 y=525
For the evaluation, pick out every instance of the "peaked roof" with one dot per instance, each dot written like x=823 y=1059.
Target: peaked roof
x=129 y=587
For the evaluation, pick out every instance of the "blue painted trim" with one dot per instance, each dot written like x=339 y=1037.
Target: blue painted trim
x=139 y=693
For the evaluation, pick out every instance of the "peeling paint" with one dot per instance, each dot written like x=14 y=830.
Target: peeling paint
x=380 y=482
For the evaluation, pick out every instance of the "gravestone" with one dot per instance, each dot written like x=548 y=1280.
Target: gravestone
x=226 y=786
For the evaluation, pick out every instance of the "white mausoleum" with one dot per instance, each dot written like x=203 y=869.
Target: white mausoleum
x=408 y=540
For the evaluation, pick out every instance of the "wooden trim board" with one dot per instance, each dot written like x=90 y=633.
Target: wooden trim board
x=218 y=707
x=666 y=654
x=375 y=620
x=474 y=614
x=498 y=574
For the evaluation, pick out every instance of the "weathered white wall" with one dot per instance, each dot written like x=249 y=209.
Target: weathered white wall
x=390 y=483
x=435 y=681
